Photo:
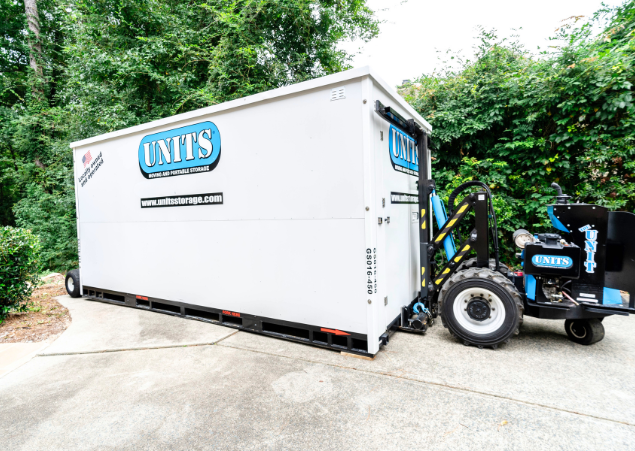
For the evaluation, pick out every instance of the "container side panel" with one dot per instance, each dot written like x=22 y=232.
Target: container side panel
x=294 y=158
x=285 y=239
x=281 y=269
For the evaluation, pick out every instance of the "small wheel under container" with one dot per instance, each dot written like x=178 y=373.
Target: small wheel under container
x=72 y=283
x=584 y=331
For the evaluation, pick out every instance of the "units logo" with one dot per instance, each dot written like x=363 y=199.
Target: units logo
x=590 y=247
x=187 y=150
x=403 y=152
x=552 y=261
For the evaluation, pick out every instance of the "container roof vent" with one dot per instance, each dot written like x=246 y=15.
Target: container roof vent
x=338 y=94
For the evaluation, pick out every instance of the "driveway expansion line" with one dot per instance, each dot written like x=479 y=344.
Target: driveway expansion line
x=225 y=338
x=437 y=384
x=141 y=348
x=144 y=348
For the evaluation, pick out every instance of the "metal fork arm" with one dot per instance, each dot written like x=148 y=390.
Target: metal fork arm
x=452 y=223
x=450 y=268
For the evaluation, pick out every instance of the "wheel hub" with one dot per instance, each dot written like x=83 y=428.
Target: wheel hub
x=478 y=309
x=577 y=329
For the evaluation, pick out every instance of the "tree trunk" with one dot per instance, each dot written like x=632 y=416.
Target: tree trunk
x=35 y=45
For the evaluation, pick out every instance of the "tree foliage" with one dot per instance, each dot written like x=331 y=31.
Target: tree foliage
x=520 y=122
x=112 y=64
x=131 y=61
x=515 y=120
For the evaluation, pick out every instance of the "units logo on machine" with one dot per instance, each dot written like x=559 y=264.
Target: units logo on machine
x=590 y=247
x=187 y=150
x=403 y=152
x=552 y=261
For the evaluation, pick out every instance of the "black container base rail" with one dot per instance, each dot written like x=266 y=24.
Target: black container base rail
x=337 y=340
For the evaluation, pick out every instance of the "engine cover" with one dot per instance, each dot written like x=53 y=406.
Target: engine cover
x=552 y=259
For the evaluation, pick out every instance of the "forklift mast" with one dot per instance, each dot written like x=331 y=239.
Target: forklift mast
x=429 y=244
x=425 y=186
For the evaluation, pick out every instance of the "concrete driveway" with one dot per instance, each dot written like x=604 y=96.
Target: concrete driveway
x=121 y=378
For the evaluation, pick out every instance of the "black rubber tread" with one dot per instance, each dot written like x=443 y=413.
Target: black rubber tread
x=471 y=263
x=593 y=330
x=73 y=274
x=480 y=274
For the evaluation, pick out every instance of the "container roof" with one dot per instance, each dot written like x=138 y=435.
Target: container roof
x=267 y=95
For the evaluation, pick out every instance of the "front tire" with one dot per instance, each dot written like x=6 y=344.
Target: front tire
x=584 y=331
x=480 y=307
x=471 y=263
x=72 y=283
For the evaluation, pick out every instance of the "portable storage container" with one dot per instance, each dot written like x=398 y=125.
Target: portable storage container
x=292 y=213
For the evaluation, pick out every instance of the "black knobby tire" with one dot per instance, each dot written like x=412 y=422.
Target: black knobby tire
x=471 y=263
x=584 y=331
x=484 y=282
x=72 y=283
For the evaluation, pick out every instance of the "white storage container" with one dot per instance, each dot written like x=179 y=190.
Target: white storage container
x=292 y=212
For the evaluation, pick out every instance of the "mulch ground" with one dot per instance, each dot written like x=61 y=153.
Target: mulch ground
x=45 y=317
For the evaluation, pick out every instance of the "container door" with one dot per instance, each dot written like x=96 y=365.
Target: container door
x=397 y=198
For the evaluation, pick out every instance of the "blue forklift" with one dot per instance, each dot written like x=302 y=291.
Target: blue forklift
x=581 y=273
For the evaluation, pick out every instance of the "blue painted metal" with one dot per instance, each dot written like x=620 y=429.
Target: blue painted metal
x=555 y=221
x=530 y=287
x=522 y=257
x=442 y=218
x=415 y=308
x=611 y=296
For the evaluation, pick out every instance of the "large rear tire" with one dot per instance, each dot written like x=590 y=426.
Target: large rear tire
x=471 y=263
x=480 y=307
x=584 y=331
x=72 y=283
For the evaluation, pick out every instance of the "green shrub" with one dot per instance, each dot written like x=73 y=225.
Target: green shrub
x=19 y=265
x=519 y=121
